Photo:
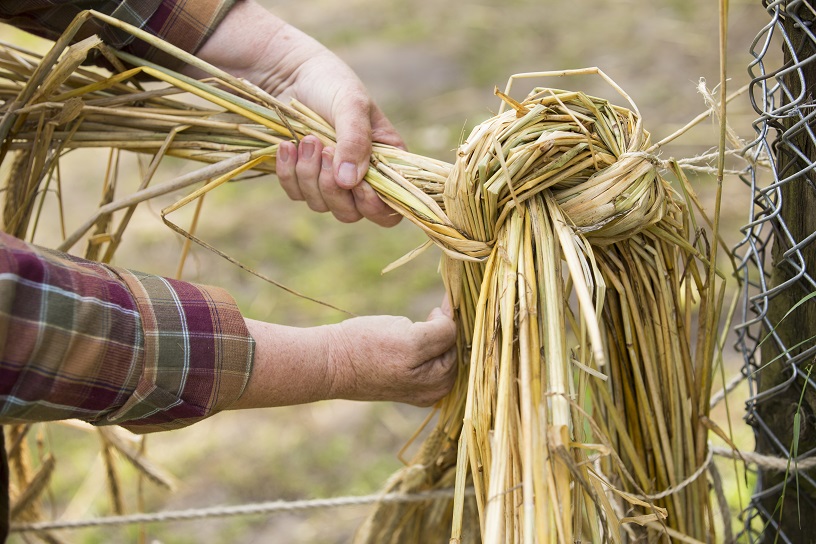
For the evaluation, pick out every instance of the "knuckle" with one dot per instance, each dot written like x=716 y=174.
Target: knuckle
x=347 y=217
x=317 y=205
x=386 y=220
x=355 y=143
x=327 y=184
x=423 y=402
x=356 y=98
x=294 y=195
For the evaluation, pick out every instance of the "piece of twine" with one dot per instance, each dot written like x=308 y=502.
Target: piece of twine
x=685 y=483
x=269 y=507
x=765 y=462
x=698 y=163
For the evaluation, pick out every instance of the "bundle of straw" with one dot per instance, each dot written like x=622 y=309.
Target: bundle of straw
x=582 y=303
x=585 y=397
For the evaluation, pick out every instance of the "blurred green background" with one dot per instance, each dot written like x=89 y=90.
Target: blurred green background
x=432 y=66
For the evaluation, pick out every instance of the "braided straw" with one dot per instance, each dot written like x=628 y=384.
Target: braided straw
x=567 y=258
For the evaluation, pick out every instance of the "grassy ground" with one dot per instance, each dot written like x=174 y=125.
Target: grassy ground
x=432 y=66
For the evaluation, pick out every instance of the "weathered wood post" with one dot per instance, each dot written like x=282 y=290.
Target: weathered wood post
x=784 y=389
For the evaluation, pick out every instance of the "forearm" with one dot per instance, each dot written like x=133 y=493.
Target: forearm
x=368 y=358
x=253 y=43
x=249 y=36
x=291 y=366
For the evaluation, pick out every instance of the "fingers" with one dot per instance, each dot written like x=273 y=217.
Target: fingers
x=372 y=207
x=436 y=354
x=358 y=121
x=345 y=103
x=306 y=173
x=285 y=162
x=439 y=370
x=438 y=376
x=352 y=122
x=340 y=201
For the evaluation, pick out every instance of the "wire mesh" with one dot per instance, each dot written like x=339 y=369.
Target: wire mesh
x=782 y=81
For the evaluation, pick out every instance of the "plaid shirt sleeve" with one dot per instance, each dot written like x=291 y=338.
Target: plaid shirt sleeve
x=79 y=339
x=184 y=23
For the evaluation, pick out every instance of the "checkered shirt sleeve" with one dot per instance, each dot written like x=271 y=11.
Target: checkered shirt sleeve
x=80 y=339
x=183 y=23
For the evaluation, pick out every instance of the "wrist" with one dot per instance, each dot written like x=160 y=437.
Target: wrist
x=340 y=370
x=291 y=366
x=234 y=46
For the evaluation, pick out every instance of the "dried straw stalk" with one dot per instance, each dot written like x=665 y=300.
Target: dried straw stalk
x=580 y=297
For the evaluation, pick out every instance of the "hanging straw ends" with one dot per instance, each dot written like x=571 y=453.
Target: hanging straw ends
x=433 y=467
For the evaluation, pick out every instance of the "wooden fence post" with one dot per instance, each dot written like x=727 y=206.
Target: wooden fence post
x=796 y=512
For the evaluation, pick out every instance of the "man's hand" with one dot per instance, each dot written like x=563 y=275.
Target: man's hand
x=364 y=358
x=391 y=358
x=254 y=44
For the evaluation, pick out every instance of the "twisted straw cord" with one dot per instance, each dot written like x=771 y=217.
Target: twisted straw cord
x=768 y=462
x=645 y=155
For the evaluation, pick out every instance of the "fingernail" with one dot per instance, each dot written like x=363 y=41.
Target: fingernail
x=283 y=153
x=326 y=162
x=347 y=174
x=307 y=148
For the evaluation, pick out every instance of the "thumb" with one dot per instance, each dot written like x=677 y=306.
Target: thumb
x=352 y=119
x=447 y=307
x=437 y=334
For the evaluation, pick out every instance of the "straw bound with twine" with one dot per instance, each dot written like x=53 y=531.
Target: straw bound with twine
x=583 y=303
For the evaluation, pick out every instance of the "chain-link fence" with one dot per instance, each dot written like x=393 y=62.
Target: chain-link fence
x=778 y=257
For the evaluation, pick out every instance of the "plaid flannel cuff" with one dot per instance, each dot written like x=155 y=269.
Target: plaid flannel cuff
x=197 y=354
x=70 y=336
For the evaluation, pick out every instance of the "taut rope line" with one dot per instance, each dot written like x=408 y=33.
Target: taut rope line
x=767 y=462
x=237 y=510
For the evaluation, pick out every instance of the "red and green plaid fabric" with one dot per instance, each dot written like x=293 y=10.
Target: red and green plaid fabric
x=79 y=339
x=184 y=23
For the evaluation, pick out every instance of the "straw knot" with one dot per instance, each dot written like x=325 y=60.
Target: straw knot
x=586 y=154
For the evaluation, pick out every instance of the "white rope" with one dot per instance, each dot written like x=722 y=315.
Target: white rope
x=720 y=395
x=767 y=462
x=238 y=510
x=685 y=483
x=695 y=164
